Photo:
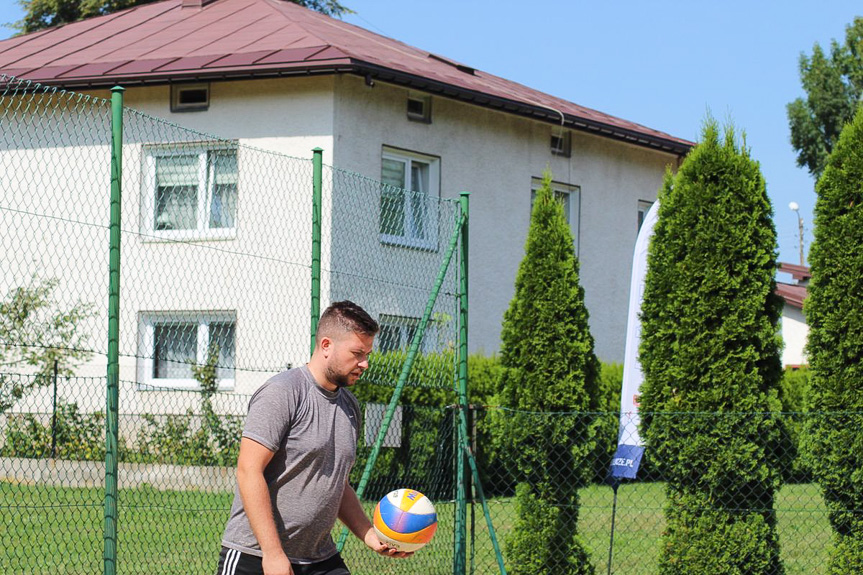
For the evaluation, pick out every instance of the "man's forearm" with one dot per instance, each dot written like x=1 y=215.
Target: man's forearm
x=351 y=513
x=256 y=502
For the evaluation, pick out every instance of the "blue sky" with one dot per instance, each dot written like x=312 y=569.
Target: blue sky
x=660 y=63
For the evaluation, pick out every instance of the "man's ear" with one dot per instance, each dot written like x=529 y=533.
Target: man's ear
x=326 y=346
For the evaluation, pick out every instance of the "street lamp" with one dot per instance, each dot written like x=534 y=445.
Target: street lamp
x=795 y=208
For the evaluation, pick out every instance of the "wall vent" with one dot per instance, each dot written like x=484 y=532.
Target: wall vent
x=419 y=108
x=190 y=97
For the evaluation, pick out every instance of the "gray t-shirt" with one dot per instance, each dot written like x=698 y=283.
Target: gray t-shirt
x=313 y=433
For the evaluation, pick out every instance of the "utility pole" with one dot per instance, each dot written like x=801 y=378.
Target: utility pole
x=796 y=208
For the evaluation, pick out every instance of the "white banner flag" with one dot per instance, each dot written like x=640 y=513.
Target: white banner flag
x=630 y=449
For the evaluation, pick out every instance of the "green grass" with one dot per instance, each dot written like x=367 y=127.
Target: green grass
x=59 y=531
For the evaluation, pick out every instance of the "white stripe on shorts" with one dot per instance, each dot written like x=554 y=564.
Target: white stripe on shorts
x=232 y=557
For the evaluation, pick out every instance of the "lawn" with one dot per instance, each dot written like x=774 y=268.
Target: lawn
x=59 y=531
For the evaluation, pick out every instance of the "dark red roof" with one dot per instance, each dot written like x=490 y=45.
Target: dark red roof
x=231 y=39
x=793 y=294
x=798 y=272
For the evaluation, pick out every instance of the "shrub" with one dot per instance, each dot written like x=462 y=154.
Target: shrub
x=424 y=457
x=547 y=353
x=193 y=439
x=77 y=435
x=710 y=356
x=40 y=335
x=793 y=394
x=833 y=439
x=610 y=381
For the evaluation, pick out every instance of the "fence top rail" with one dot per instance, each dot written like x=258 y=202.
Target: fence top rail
x=206 y=136
x=14 y=85
x=676 y=413
x=373 y=181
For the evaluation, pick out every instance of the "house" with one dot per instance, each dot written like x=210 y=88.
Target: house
x=277 y=77
x=795 y=330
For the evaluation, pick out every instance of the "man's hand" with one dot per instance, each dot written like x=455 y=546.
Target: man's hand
x=277 y=564
x=376 y=545
x=351 y=513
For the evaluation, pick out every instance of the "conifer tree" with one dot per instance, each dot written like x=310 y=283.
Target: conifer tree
x=549 y=366
x=833 y=437
x=710 y=357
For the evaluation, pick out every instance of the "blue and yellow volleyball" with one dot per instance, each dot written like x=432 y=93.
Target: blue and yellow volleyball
x=405 y=520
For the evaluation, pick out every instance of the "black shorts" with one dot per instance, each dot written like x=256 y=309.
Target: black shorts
x=233 y=562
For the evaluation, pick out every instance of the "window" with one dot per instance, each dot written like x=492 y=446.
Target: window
x=397 y=333
x=171 y=343
x=419 y=108
x=409 y=196
x=561 y=142
x=190 y=97
x=643 y=208
x=569 y=197
x=191 y=193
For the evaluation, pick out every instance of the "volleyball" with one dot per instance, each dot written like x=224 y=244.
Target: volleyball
x=405 y=519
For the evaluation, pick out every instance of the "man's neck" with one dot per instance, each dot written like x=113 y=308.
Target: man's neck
x=319 y=375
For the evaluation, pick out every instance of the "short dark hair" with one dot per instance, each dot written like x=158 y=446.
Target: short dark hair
x=345 y=316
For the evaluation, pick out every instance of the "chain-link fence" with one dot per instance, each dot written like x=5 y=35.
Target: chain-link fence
x=176 y=476
x=177 y=484
x=216 y=284
x=622 y=524
x=224 y=254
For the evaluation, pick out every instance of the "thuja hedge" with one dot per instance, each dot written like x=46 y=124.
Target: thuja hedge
x=794 y=397
x=550 y=367
x=710 y=356
x=834 y=441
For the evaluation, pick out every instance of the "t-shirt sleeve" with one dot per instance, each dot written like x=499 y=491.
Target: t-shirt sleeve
x=270 y=411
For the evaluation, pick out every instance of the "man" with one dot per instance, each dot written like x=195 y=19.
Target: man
x=297 y=450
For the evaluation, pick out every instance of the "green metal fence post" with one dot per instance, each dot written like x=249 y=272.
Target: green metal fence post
x=113 y=381
x=317 y=218
x=413 y=351
x=475 y=472
x=460 y=550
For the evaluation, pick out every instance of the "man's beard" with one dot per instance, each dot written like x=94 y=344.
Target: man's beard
x=337 y=379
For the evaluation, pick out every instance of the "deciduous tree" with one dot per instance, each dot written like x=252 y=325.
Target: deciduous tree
x=39 y=14
x=834 y=86
x=36 y=333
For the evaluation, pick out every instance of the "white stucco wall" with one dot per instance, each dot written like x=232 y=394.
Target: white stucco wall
x=262 y=273
x=795 y=332
x=494 y=156
x=259 y=273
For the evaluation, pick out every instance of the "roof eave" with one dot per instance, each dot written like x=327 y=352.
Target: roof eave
x=521 y=108
x=372 y=71
x=107 y=81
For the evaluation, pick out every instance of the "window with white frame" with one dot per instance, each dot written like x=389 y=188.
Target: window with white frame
x=171 y=343
x=397 y=333
x=569 y=197
x=190 y=192
x=409 y=196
